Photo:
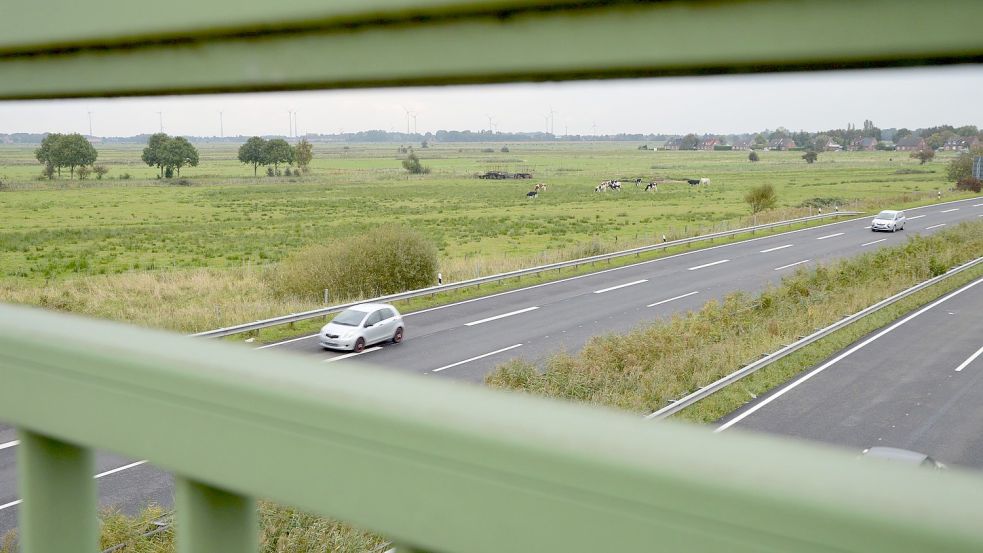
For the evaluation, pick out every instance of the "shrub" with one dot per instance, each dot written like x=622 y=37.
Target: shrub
x=810 y=156
x=969 y=183
x=753 y=156
x=48 y=172
x=761 y=198
x=124 y=176
x=384 y=260
x=413 y=165
x=270 y=172
x=83 y=171
x=923 y=156
x=99 y=170
x=168 y=172
x=505 y=149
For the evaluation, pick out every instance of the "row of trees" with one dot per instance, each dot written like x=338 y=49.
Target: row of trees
x=257 y=151
x=66 y=150
x=169 y=154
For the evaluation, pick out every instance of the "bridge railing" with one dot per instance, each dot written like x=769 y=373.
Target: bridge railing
x=435 y=465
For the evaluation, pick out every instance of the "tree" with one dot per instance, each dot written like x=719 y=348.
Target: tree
x=153 y=154
x=177 y=152
x=99 y=170
x=413 y=165
x=303 y=153
x=810 y=156
x=962 y=167
x=923 y=156
x=277 y=151
x=761 y=198
x=169 y=154
x=65 y=150
x=753 y=156
x=46 y=153
x=83 y=171
x=254 y=152
x=73 y=150
x=689 y=142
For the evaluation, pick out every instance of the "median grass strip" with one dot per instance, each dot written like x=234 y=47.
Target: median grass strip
x=657 y=363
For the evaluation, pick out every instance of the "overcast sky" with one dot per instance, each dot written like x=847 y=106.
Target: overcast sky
x=728 y=104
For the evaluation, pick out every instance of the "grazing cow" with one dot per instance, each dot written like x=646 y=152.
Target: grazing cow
x=693 y=182
x=638 y=180
x=532 y=194
x=615 y=185
x=652 y=186
x=603 y=186
x=704 y=181
x=540 y=187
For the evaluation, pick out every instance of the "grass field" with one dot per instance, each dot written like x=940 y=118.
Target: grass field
x=223 y=225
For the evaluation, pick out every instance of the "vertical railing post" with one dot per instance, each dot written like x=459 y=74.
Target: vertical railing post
x=210 y=520
x=58 y=514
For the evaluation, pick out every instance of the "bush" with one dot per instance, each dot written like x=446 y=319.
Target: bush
x=753 y=156
x=505 y=149
x=169 y=173
x=810 y=156
x=413 y=165
x=970 y=183
x=99 y=170
x=384 y=260
x=124 y=176
x=270 y=172
x=923 y=156
x=83 y=171
x=761 y=198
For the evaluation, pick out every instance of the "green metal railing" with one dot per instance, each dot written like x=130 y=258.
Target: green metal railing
x=439 y=466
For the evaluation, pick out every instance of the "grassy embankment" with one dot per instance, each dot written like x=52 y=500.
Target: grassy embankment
x=645 y=369
x=189 y=258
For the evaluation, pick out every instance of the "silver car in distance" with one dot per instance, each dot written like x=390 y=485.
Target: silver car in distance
x=362 y=325
x=888 y=220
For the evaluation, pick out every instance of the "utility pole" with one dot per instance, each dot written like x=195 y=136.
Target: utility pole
x=221 y=126
x=90 y=123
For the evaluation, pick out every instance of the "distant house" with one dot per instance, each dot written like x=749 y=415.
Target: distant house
x=673 y=144
x=781 y=144
x=910 y=144
x=960 y=144
x=742 y=145
x=707 y=144
x=865 y=144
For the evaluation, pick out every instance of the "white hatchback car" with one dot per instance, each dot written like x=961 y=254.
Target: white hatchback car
x=888 y=220
x=362 y=325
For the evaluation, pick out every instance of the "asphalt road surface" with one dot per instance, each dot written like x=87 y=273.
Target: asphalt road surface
x=917 y=384
x=466 y=340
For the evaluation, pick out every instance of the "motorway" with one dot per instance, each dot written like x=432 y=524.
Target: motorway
x=467 y=339
x=917 y=384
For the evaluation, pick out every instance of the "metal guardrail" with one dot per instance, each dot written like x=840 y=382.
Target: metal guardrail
x=770 y=358
x=304 y=315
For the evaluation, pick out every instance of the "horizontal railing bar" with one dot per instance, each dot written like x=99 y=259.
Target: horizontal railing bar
x=296 y=317
x=444 y=42
x=462 y=468
x=773 y=357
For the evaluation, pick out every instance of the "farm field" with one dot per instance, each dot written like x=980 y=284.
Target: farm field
x=219 y=222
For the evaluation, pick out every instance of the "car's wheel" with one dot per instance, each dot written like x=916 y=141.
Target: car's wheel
x=359 y=345
x=398 y=335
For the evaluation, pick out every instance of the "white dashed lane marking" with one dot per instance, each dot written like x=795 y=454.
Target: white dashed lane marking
x=627 y=284
x=831 y=236
x=792 y=264
x=490 y=353
x=502 y=316
x=673 y=299
x=708 y=265
x=874 y=242
x=776 y=249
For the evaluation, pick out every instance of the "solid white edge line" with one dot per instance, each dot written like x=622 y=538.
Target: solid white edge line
x=977 y=205
x=948 y=210
x=874 y=242
x=966 y=363
x=791 y=265
x=476 y=358
x=673 y=299
x=831 y=236
x=286 y=341
x=352 y=354
x=775 y=249
x=502 y=316
x=11 y=504
x=935 y=226
x=100 y=475
x=120 y=469
x=708 y=265
x=9 y=444
x=753 y=409
x=915 y=217
x=602 y=290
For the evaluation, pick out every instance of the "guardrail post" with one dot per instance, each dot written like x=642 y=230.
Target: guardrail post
x=59 y=510
x=210 y=520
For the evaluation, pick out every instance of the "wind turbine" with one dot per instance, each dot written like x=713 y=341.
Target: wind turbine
x=408 y=115
x=160 y=116
x=221 y=126
x=290 y=123
x=552 y=121
x=491 y=124
x=90 y=122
